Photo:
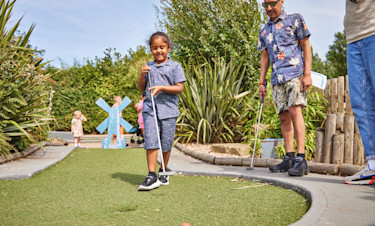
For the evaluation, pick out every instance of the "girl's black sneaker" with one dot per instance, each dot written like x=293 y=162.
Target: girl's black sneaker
x=151 y=182
x=164 y=180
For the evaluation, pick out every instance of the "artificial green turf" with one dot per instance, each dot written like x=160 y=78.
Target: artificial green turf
x=99 y=187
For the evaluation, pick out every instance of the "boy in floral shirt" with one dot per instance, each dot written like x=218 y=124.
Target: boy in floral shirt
x=284 y=41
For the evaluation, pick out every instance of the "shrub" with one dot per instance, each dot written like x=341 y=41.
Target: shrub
x=210 y=29
x=211 y=104
x=22 y=87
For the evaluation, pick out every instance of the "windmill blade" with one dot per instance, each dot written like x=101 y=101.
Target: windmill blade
x=101 y=103
x=125 y=102
x=125 y=125
x=103 y=126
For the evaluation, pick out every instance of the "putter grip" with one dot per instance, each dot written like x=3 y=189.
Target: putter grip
x=265 y=85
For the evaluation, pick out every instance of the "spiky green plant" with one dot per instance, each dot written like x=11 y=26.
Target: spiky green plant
x=22 y=86
x=211 y=103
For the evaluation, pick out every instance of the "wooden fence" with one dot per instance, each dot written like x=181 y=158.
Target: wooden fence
x=339 y=141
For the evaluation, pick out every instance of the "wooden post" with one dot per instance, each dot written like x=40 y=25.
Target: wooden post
x=329 y=131
x=359 y=151
x=348 y=105
x=349 y=138
x=334 y=95
x=327 y=94
x=338 y=148
x=319 y=140
x=340 y=122
x=340 y=93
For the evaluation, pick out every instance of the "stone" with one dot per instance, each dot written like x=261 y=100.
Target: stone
x=234 y=149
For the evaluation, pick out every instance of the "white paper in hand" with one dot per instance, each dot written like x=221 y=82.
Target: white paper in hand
x=318 y=80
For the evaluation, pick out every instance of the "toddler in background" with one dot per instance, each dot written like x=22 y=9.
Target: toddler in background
x=77 y=129
x=117 y=101
x=139 y=107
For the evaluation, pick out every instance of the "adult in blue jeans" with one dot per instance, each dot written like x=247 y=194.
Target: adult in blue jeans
x=360 y=35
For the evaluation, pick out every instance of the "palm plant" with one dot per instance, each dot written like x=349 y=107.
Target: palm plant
x=22 y=85
x=211 y=103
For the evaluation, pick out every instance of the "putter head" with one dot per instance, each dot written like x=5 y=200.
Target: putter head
x=167 y=173
x=249 y=168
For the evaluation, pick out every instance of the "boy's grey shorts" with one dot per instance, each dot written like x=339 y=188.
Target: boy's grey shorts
x=167 y=129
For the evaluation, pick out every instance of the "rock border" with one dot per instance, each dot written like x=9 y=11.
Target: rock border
x=31 y=149
x=321 y=168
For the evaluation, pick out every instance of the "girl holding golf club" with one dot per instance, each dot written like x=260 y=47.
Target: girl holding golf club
x=162 y=79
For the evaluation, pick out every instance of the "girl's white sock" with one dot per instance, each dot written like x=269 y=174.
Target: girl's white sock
x=371 y=164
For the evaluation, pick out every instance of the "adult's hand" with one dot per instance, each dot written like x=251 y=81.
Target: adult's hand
x=262 y=91
x=306 y=82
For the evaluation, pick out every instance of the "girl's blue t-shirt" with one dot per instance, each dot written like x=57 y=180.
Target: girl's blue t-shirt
x=165 y=74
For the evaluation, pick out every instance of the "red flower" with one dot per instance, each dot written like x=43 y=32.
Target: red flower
x=279 y=25
x=281 y=55
x=263 y=32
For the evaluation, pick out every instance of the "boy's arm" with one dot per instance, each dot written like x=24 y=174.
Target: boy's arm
x=306 y=80
x=177 y=88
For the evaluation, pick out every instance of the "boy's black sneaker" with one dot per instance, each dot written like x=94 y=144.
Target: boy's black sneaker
x=299 y=167
x=283 y=166
x=151 y=182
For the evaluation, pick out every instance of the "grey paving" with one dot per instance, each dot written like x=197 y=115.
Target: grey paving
x=333 y=202
x=35 y=163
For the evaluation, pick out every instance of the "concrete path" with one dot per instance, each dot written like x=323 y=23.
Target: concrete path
x=333 y=202
x=35 y=163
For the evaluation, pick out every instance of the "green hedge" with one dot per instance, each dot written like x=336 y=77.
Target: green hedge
x=79 y=86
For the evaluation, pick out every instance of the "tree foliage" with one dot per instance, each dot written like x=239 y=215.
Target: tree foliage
x=336 y=55
x=79 y=86
x=210 y=29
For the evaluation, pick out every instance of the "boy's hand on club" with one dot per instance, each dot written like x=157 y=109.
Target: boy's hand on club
x=156 y=89
x=145 y=69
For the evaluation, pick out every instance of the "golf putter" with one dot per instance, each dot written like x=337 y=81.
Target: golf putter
x=164 y=173
x=256 y=134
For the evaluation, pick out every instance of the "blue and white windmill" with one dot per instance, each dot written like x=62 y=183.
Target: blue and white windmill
x=113 y=122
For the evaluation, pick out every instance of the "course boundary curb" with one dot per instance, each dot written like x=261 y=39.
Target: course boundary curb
x=31 y=149
x=321 y=168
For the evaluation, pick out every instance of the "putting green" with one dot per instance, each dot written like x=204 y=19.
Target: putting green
x=99 y=187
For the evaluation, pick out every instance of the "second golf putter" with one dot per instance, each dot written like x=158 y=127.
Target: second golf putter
x=256 y=134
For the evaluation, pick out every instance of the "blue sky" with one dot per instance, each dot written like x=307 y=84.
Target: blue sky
x=80 y=29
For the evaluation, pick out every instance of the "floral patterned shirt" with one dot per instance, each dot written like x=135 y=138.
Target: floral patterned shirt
x=281 y=39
